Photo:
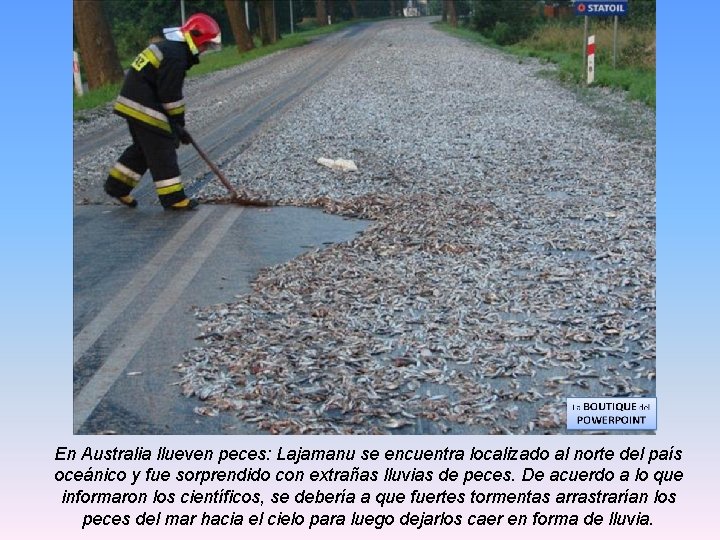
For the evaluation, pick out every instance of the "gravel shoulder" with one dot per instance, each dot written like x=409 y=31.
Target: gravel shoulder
x=511 y=263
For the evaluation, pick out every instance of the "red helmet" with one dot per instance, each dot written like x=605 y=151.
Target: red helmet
x=203 y=30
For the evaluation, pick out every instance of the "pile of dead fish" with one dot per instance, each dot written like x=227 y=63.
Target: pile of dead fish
x=510 y=263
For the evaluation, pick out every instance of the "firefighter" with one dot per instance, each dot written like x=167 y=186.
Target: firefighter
x=151 y=100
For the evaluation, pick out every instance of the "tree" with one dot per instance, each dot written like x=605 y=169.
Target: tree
x=266 y=16
x=321 y=12
x=97 y=48
x=354 y=8
x=236 y=14
x=452 y=13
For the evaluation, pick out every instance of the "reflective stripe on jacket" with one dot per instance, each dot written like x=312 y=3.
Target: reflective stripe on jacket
x=152 y=93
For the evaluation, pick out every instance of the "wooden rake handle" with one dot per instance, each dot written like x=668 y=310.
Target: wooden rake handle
x=233 y=193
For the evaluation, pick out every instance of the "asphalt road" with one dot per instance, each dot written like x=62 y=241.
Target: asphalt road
x=134 y=294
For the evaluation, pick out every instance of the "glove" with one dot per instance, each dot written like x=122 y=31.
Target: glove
x=182 y=134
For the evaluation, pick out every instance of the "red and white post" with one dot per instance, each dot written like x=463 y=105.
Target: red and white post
x=590 y=59
x=76 y=74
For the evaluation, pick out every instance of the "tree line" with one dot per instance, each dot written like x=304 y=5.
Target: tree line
x=106 y=31
x=522 y=16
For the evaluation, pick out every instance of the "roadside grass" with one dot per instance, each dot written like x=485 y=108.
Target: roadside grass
x=95 y=98
x=226 y=58
x=561 y=45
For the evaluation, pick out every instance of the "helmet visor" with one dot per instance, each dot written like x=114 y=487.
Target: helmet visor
x=215 y=44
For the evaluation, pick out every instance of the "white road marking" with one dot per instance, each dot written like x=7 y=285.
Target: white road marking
x=112 y=310
x=118 y=360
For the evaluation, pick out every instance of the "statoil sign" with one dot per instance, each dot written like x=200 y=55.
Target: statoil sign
x=601 y=8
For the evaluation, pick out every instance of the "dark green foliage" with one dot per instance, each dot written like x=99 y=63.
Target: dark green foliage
x=641 y=13
x=434 y=7
x=129 y=38
x=343 y=12
x=463 y=8
x=370 y=8
x=135 y=22
x=504 y=21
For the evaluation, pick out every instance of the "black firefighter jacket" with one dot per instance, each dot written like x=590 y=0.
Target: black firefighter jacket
x=152 y=93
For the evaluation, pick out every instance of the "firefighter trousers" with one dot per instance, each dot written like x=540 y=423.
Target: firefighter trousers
x=149 y=150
